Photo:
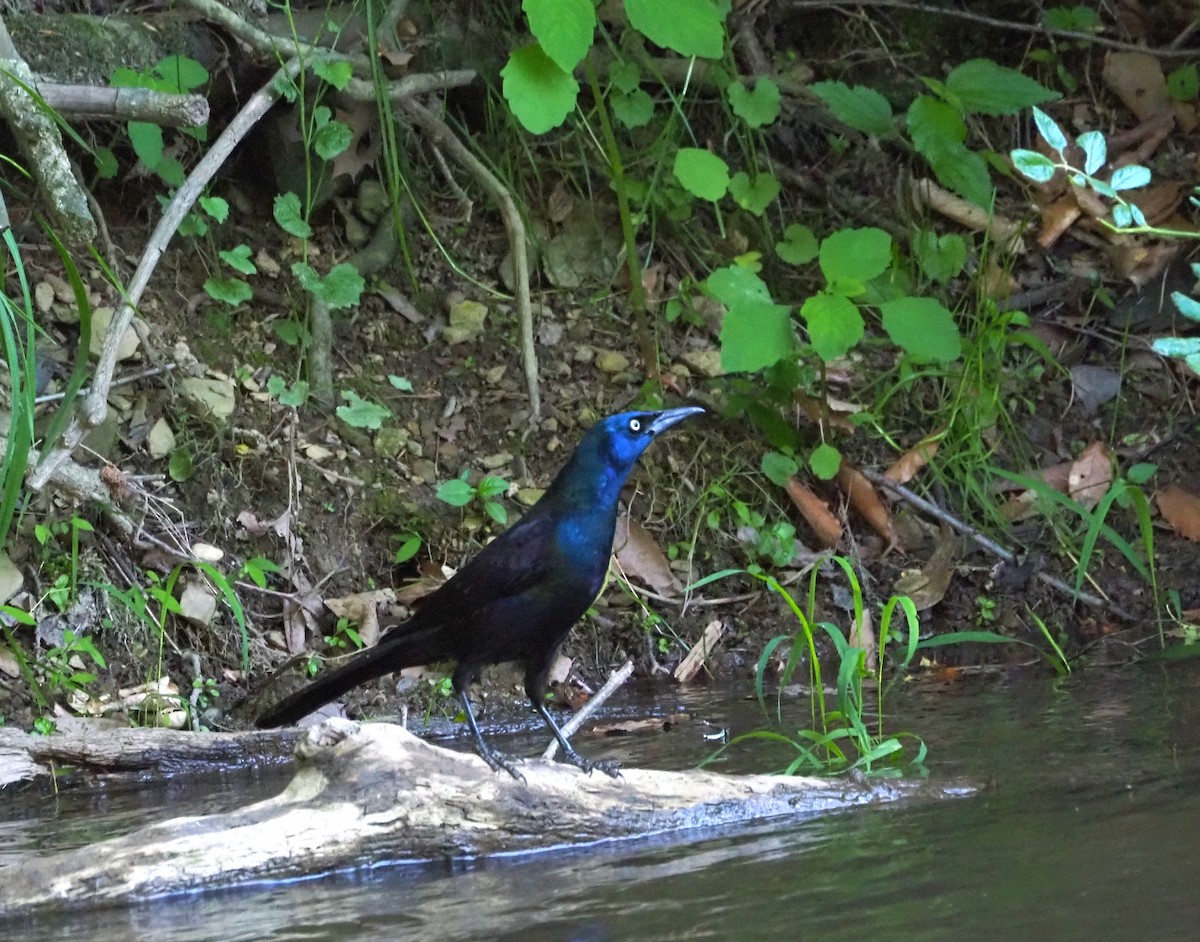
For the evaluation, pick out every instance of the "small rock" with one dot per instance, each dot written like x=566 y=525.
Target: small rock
x=43 y=296
x=101 y=318
x=160 y=441
x=11 y=578
x=198 y=604
x=584 y=354
x=704 y=362
x=611 y=361
x=372 y=200
x=208 y=553
x=498 y=460
x=424 y=471
x=391 y=442
x=466 y=322
x=214 y=397
x=528 y=496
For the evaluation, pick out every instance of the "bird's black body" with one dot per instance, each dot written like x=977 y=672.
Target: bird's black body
x=519 y=597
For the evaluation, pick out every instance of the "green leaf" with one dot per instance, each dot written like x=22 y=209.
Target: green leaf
x=835 y=325
x=1050 y=132
x=757 y=108
x=291 y=332
x=331 y=140
x=496 y=511
x=231 y=291
x=625 y=75
x=1077 y=19
x=1188 y=306
x=456 y=492
x=181 y=74
x=825 y=461
x=688 y=27
x=342 y=287
x=923 y=328
x=855 y=254
x=941 y=258
x=563 y=28
x=702 y=173
x=1037 y=167
x=337 y=72
x=799 y=245
x=408 y=549
x=361 y=413
x=633 y=109
x=934 y=126
x=295 y=397
x=755 y=335
x=147 y=141
x=779 y=467
x=1095 y=150
x=238 y=258
x=540 y=94
x=400 y=382
x=986 y=87
x=756 y=196
x=106 y=163
x=179 y=465
x=287 y=215
x=1130 y=177
x=215 y=206
x=964 y=172
x=491 y=487
x=1183 y=83
x=858 y=107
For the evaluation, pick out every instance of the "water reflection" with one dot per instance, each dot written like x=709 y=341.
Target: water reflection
x=1087 y=833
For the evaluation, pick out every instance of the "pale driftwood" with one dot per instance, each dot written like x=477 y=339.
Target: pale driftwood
x=370 y=793
x=84 y=745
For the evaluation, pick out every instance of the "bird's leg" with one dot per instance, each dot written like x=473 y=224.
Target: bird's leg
x=497 y=760
x=607 y=767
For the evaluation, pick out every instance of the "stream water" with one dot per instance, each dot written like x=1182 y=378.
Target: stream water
x=1089 y=828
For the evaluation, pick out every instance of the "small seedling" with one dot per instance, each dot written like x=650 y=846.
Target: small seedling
x=458 y=493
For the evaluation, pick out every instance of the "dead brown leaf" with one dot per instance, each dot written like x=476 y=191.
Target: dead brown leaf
x=866 y=502
x=825 y=526
x=1137 y=79
x=928 y=585
x=641 y=559
x=1181 y=510
x=362 y=608
x=906 y=467
x=1086 y=479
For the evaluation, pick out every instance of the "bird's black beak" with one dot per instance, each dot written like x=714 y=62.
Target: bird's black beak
x=668 y=417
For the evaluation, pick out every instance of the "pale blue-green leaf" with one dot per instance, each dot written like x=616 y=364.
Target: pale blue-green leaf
x=1130 y=178
x=1050 y=131
x=1095 y=150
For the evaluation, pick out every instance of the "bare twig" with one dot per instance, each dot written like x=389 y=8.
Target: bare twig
x=597 y=699
x=1094 y=601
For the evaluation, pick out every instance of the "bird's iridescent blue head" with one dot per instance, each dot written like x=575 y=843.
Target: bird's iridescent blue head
x=606 y=455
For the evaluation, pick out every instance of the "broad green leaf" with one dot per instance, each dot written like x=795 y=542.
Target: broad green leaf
x=179 y=465
x=337 y=72
x=986 y=87
x=688 y=27
x=754 y=196
x=564 y=29
x=401 y=383
x=625 y=75
x=858 y=107
x=147 y=141
x=181 y=73
x=1183 y=83
x=408 y=549
x=855 y=254
x=779 y=467
x=456 y=492
x=633 y=109
x=799 y=245
x=540 y=94
x=332 y=139
x=702 y=173
x=231 y=291
x=1130 y=177
x=759 y=107
x=1037 y=167
x=835 y=325
x=216 y=207
x=1049 y=130
x=342 y=287
x=238 y=258
x=934 y=125
x=923 y=328
x=755 y=335
x=361 y=413
x=966 y=173
x=287 y=215
x=825 y=462
x=941 y=258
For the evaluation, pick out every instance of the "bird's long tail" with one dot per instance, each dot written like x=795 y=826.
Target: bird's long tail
x=395 y=651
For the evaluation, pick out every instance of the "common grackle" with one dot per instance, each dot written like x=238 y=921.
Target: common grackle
x=518 y=598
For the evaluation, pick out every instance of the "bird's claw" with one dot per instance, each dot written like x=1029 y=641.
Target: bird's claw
x=607 y=766
x=499 y=762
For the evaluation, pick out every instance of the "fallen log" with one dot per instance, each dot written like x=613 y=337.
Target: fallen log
x=370 y=793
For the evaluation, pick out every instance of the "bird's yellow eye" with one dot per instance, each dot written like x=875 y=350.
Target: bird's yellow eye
x=635 y=425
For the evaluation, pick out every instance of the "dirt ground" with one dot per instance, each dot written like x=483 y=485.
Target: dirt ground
x=330 y=504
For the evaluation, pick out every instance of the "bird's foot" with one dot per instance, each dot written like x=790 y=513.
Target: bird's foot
x=501 y=762
x=608 y=767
